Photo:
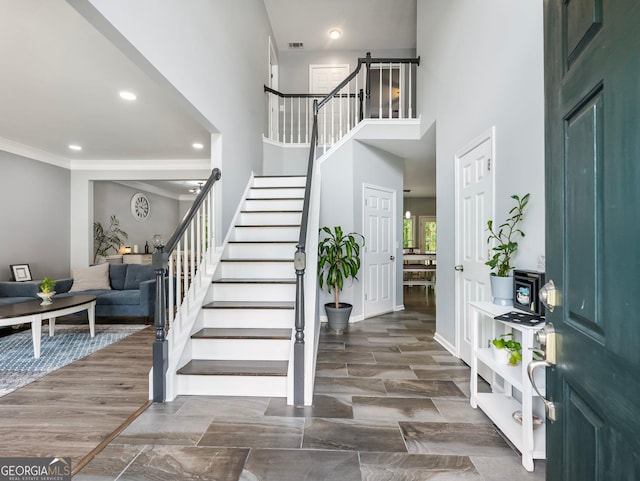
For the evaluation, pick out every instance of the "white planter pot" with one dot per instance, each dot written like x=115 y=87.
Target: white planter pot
x=502 y=290
x=501 y=355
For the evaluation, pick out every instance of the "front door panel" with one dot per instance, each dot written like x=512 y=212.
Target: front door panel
x=592 y=75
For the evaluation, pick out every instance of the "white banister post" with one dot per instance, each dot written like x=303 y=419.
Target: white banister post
x=410 y=95
x=390 y=90
x=291 y=120
x=380 y=92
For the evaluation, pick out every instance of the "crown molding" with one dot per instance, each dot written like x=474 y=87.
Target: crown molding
x=29 y=152
x=137 y=164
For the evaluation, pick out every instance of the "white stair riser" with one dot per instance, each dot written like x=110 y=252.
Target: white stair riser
x=249 y=318
x=280 y=181
x=271 y=218
x=263 y=386
x=260 y=251
x=241 y=349
x=266 y=234
x=257 y=270
x=278 y=204
x=273 y=193
x=254 y=292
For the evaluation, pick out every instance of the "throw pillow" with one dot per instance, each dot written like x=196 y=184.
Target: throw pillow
x=91 y=278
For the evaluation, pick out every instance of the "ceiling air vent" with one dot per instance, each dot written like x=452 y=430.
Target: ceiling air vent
x=297 y=45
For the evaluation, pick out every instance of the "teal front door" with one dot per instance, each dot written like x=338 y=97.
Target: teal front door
x=592 y=122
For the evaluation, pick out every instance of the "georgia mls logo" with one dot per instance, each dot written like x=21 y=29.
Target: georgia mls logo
x=35 y=469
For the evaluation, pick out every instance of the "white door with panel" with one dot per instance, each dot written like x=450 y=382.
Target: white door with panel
x=379 y=257
x=322 y=80
x=474 y=206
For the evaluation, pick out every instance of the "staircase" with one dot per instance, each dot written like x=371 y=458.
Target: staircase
x=243 y=339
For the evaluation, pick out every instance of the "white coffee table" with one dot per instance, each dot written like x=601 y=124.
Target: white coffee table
x=31 y=312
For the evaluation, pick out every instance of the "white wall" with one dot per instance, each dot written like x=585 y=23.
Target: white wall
x=34 y=218
x=343 y=174
x=110 y=198
x=215 y=53
x=482 y=66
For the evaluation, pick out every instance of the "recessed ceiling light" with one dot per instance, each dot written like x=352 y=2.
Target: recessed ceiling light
x=197 y=145
x=335 y=33
x=128 y=95
x=75 y=147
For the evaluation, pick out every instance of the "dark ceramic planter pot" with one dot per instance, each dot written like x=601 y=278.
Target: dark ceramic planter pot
x=338 y=317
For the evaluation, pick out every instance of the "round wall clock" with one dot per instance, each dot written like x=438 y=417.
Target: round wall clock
x=140 y=207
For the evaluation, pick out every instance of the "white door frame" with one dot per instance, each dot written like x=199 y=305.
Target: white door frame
x=312 y=67
x=394 y=243
x=489 y=134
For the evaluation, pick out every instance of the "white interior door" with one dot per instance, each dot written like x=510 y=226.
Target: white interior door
x=474 y=206
x=332 y=122
x=379 y=258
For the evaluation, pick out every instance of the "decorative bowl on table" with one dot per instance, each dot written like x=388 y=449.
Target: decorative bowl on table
x=47 y=297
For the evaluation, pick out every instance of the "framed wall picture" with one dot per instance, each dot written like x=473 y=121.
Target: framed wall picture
x=20 y=272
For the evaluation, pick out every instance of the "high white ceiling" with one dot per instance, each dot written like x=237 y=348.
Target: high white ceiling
x=365 y=24
x=59 y=85
x=60 y=81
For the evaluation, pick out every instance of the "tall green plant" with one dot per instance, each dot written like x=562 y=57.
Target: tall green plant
x=338 y=259
x=505 y=245
x=106 y=239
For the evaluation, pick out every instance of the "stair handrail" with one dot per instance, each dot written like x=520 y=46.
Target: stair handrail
x=161 y=265
x=300 y=255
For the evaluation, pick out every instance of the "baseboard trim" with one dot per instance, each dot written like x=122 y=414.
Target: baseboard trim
x=446 y=344
x=398 y=308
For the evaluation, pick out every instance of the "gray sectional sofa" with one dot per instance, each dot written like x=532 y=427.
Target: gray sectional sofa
x=132 y=293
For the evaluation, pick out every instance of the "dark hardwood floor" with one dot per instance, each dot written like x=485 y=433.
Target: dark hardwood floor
x=70 y=411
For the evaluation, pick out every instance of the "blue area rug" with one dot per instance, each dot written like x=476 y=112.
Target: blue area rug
x=18 y=367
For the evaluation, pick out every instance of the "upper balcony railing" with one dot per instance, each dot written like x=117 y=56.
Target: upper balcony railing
x=384 y=89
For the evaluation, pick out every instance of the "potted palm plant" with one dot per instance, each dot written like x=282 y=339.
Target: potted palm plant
x=107 y=238
x=504 y=248
x=338 y=260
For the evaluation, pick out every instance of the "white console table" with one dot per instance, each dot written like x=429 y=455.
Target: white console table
x=511 y=389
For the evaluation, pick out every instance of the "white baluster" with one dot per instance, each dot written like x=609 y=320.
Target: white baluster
x=380 y=93
x=356 y=108
x=185 y=273
x=348 y=107
x=324 y=133
x=410 y=95
x=299 y=120
x=178 y=279
x=390 y=90
x=401 y=70
x=333 y=121
x=193 y=255
x=291 y=120
x=171 y=294
x=306 y=119
x=340 y=114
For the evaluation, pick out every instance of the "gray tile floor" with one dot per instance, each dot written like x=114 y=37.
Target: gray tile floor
x=391 y=404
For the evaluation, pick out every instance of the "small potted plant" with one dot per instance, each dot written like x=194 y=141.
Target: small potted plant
x=504 y=248
x=506 y=350
x=46 y=291
x=338 y=260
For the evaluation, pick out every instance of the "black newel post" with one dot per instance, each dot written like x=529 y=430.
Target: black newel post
x=361 y=98
x=160 y=347
x=367 y=103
